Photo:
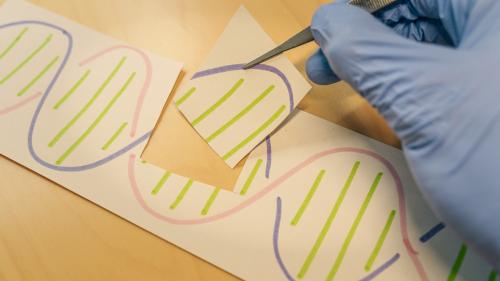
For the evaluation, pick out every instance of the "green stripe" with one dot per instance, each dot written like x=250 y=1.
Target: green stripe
x=255 y=133
x=492 y=276
x=308 y=198
x=380 y=241
x=160 y=183
x=114 y=136
x=87 y=105
x=185 y=96
x=72 y=90
x=181 y=194
x=96 y=121
x=240 y=114
x=37 y=77
x=458 y=263
x=210 y=201
x=354 y=227
x=13 y=43
x=218 y=103
x=27 y=59
x=328 y=222
x=251 y=177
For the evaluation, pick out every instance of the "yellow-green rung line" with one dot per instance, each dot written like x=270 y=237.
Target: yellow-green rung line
x=354 y=227
x=492 y=276
x=72 y=90
x=37 y=77
x=89 y=103
x=380 y=241
x=251 y=177
x=114 y=136
x=14 y=42
x=308 y=198
x=242 y=113
x=185 y=96
x=160 y=183
x=210 y=201
x=255 y=133
x=27 y=59
x=218 y=103
x=181 y=195
x=458 y=263
x=328 y=223
x=96 y=121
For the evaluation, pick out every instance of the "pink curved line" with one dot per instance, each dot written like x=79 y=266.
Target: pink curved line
x=145 y=86
x=278 y=181
x=20 y=104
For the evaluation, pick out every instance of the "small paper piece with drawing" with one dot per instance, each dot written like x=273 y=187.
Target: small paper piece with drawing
x=235 y=109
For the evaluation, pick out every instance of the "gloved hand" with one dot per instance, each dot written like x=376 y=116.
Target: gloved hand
x=432 y=69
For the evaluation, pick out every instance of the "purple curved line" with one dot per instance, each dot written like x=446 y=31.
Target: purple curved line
x=100 y=162
x=268 y=155
x=265 y=67
x=279 y=260
x=381 y=269
x=44 y=98
x=276 y=234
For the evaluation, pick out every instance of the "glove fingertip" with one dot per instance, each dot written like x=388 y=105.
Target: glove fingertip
x=319 y=71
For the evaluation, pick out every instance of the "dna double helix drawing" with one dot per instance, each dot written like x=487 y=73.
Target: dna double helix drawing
x=328 y=207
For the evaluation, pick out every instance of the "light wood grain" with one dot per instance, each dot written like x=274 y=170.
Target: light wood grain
x=49 y=233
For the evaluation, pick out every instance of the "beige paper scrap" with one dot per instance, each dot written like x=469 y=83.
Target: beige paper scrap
x=235 y=109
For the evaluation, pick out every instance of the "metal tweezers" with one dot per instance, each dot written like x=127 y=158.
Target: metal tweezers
x=305 y=36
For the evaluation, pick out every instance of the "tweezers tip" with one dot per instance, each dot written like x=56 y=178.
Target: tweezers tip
x=249 y=65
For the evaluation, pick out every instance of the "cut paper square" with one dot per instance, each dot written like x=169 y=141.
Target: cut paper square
x=235 y=109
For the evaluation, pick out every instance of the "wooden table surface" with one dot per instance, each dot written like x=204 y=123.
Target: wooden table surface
x=49 y=233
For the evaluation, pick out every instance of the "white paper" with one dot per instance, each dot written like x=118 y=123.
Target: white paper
x=235 y=109
x=93 y=95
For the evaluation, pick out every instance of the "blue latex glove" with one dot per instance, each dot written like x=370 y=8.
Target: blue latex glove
x=442 y=99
